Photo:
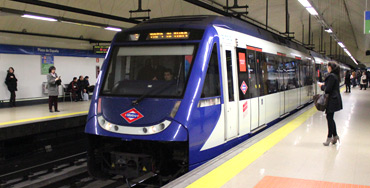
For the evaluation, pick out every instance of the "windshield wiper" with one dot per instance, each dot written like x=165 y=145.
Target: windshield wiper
x=137 y=101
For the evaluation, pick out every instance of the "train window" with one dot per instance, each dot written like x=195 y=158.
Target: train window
x=302 y=73
x=260 y=73
x=242 y=72
x=230 y=75
x=281 y=73
x=252 y=81
x=291 y=71
x=310 y=72
x=149 y=71
x=270 y=68
x=211 y=87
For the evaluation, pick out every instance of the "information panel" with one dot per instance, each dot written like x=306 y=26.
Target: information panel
x=46 y=62
x=101 y=49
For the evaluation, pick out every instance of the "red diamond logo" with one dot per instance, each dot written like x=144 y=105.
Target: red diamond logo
x=132 y=115
x=244 y=87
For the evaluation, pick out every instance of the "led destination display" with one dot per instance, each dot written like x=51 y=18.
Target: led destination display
x=168 y=35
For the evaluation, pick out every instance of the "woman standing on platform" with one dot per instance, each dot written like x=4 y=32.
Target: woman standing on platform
x=331 y=87
x=11 y=82
x=363 y=81
x=53 y=84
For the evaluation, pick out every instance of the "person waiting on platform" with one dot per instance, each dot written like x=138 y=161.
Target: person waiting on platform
x=353 y=79
x=331 y=87
x=53 y=86
x=347 y=81
x=81 y=88
x=73 y=88
x=11 y=82
x=88 y=87
x=363 y=81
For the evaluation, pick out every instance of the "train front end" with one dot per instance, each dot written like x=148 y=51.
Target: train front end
x=134 y=126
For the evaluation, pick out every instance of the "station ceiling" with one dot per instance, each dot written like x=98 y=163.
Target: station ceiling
x=346 y=17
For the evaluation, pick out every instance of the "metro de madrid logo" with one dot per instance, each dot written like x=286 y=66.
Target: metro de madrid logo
x=132 y=115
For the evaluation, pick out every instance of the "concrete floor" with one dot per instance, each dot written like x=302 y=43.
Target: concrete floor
x=22 y=114
x=302 y=155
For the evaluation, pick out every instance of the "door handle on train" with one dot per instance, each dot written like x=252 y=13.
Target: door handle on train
x=261 y=101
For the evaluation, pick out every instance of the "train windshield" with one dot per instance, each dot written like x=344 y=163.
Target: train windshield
x=149 y=71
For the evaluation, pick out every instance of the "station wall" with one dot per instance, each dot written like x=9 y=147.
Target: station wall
x=28 y=72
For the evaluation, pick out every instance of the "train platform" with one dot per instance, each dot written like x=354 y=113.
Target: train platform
x=291 y=153
x=36 y=113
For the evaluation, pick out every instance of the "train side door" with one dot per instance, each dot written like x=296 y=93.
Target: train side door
x=281 y=84
x=230 y=92
x=260 y=64
x=253 y=89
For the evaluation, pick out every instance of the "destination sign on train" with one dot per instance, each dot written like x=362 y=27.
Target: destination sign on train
x=168 y=35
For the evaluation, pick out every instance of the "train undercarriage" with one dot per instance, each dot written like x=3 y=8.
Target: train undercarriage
x=109 y=157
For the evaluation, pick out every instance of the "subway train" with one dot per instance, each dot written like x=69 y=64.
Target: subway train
x=175 y=92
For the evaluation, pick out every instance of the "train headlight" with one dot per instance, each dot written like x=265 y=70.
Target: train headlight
x=101 y=120
x=175 y=109
x=154 y=129
x=148 y=130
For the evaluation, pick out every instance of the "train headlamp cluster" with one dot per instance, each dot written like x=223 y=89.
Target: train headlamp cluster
x=147 y=130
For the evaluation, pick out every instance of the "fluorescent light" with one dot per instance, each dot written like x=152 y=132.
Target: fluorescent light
x=341 y=44
x=329 y=30
x=39 y=18
x=348 y=53
x=81 y=24
x=312 y=11
x=305 y=3
x=113 y=29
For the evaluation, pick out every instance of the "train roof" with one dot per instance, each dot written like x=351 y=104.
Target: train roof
x=204 y=21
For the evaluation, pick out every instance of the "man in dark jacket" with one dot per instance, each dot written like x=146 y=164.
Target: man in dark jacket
x=11 y=82
x=73 y=88
x=347 y=81
x=81 y=87
x=87 y=84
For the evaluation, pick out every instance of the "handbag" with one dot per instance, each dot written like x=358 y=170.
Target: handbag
x=85 y=97
x=321 y=101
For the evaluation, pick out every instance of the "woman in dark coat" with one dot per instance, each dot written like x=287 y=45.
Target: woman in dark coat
x=53 y=85
x=331 y=87
x=11 y=82
x=347 y=81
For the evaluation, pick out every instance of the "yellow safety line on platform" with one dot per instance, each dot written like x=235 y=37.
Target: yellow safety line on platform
x=225 y=172
x=222 y=174
x=42 y=118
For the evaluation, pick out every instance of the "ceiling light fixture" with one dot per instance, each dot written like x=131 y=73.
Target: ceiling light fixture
x=305 y=3
x=113 y=29
x=39 y=18
x=341 y=44
x=312 y=11
x=329 y=30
